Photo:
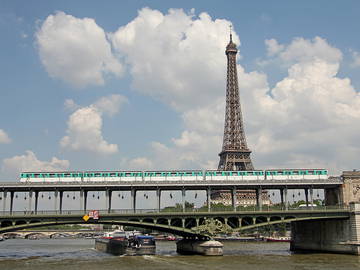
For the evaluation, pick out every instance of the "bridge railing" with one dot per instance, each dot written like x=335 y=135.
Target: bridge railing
x=172 y=210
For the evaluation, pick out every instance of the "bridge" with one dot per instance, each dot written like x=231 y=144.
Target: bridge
x=284 y=183
x=336 y=226
x=186 y=224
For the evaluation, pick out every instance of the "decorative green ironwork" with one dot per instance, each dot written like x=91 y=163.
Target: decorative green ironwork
x=213 y=227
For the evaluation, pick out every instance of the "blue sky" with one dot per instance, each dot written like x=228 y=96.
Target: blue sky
x=131 y=85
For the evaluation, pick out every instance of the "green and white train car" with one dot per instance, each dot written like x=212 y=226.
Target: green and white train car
x=194 y=175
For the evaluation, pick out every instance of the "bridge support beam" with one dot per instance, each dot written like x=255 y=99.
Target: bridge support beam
x=36 y=201
x=30 y=201
x=307 y=196
x=312 y=198
x=208 y=195
x=283 y=196
x=133 y=200
x=234 y=198
x=108 y=199
x=11 y=201
x=183 y=199
x=85 y=200
x=335 y=236
x=4 y=200
x=61 y=201
x=56 y=197
x=259 y=198
x=158 y=199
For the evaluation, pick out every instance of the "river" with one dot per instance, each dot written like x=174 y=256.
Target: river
x=68 y=254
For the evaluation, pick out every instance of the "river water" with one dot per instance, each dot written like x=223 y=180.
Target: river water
x=68 y=254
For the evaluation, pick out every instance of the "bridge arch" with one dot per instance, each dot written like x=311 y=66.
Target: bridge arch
x=176 y=222
x=233 y=222
x=190 y=223
x=162 y=221
x=177 y=230
x=6 y=223
x=20 y=222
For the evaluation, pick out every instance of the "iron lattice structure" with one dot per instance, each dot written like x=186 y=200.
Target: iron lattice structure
x=235 y=154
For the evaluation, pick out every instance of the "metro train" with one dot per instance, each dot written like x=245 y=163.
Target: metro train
x=104 y=176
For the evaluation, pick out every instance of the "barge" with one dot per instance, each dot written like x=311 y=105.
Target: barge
x=118 y=243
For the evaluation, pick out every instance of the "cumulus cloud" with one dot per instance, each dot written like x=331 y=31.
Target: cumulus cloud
x=171 y=55
x=306 y=120
x=140 y=163
x=309 y=117
x=29 y=162
x=356 y=59
x=75 y=50
x=4 y=138
x=303 y=50
x=84 y=130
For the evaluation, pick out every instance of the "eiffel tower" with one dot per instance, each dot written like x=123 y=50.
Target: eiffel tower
x=235 y=155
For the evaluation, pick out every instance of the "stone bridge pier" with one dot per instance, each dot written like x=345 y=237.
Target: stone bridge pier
x=337 y=235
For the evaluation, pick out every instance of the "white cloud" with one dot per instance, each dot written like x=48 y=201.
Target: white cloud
x=29 y=162
x=141 y=163
x=84 y=130
x=70 y=105
x=179 y=59
x=76 y=50
x=307 y=119
x=302 y=50
x=111 y=104
x=4 y=138
x=310 y=116
x=171 y=56
x=273 y=47
x=356 y=59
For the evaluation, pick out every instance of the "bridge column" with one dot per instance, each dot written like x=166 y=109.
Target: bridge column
x=85 y=200
x=282 y=198
x=285 y=198
x=4 y=200
x=183 y=199
x=312 y=198
x=234 y=198
x=30 y=200
x=108 y=195
x=61 y=201
x=11 y=201
x=208 y=195
x=158 y=198
x=81 y=195
x=36 y=201
x=133 y=200
x=56 y=195
x=307 y=197
x=259 y=198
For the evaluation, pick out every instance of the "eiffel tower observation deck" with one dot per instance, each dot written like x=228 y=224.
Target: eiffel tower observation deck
x=235 y=154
